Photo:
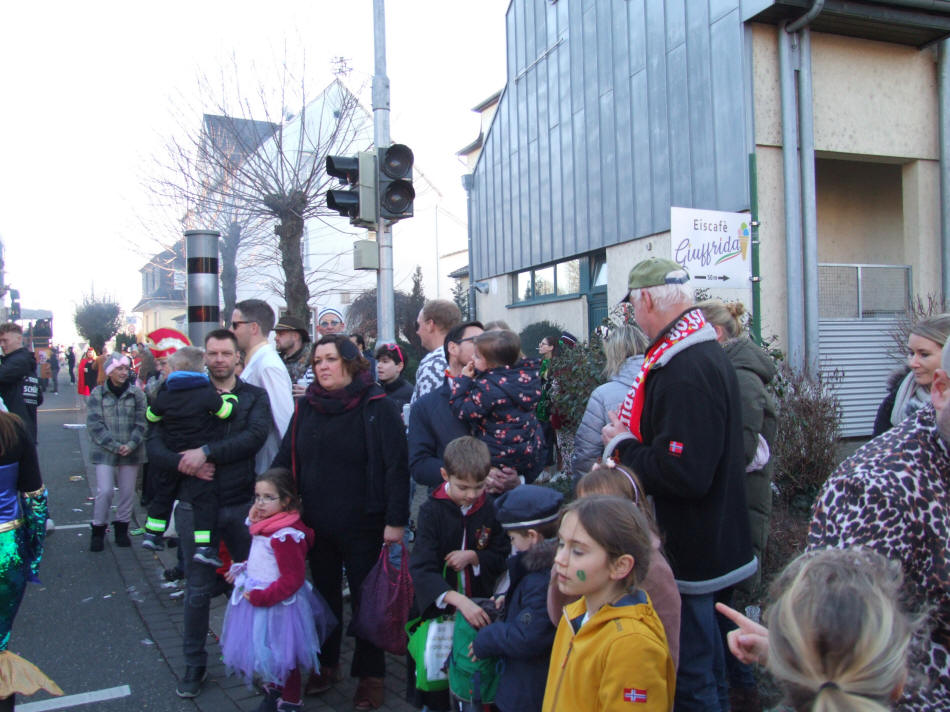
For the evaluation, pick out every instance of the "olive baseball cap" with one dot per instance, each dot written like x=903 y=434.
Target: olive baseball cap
x=654 y=272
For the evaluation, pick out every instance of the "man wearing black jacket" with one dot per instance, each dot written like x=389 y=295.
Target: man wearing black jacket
x=228 y=459
x=17 y=364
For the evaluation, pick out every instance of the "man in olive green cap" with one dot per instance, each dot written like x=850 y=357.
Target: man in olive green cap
x=680 y=430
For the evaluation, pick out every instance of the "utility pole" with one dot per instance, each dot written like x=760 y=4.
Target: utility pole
x=385 y=298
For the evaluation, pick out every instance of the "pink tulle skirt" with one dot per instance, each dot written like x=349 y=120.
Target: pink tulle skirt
x=271 y=641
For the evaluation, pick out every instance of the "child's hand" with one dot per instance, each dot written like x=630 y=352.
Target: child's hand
x=229 y=577
x=750 y=641
x=247 y=595
x=469 y=369
x=499 y=602
x=458 y=560
x=473 y=613
x=471 y=651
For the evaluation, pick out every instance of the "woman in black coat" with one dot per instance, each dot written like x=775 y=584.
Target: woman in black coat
x=347 y=448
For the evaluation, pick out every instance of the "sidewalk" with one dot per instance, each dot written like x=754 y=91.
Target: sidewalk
x=163 y=615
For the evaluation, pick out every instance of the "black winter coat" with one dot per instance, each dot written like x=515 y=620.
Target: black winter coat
x=14 y=367
x=232 y=445
x=524 y=636
x=691 y=460
x=399 y=390
x=385 y=484
x=440 y=530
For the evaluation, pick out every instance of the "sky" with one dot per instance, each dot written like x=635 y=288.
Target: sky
x=92 y=92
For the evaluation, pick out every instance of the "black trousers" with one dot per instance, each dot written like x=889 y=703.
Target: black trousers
x=357 y=548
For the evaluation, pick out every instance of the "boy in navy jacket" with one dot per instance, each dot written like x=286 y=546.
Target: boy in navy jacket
x=524 y=636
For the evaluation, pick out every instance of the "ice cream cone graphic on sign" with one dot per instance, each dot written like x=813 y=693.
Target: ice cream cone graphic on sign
x=744 y=239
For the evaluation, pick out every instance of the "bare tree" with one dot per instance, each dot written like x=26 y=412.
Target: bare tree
x=260 y=157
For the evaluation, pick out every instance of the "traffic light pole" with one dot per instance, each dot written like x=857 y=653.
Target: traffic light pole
x=385 y=298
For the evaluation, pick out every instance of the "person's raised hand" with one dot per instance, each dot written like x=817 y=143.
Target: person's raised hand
x=750 y=641
x=469 y=369
x=613 y=428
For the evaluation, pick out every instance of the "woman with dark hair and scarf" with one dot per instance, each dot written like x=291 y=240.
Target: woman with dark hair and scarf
x=346 y=446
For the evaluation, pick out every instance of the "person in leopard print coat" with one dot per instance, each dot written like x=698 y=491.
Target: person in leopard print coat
x=893 y=496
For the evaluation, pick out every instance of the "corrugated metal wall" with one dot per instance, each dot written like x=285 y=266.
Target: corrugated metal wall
x=613 y=111
x=862 y=350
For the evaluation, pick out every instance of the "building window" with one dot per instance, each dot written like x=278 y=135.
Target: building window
x=549 y=282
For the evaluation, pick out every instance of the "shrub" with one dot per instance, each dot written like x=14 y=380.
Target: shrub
x=578 y=371
x=809 y=418
x=532 y=334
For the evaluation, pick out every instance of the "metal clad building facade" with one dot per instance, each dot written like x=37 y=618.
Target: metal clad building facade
x=614 y=110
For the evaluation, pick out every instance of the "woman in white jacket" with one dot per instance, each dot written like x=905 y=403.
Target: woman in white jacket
x=624 y=349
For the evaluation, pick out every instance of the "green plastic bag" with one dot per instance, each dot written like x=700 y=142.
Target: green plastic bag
x=474 y=681
x=430 y=645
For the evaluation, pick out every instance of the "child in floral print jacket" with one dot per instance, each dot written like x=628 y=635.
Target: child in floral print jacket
x=496 y=396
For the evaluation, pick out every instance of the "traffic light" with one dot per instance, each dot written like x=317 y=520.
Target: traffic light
x=14 y=304
x=395 y=182
x=358 y=202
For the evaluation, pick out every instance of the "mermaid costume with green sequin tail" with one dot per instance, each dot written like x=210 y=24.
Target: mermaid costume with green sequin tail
x=22 y=531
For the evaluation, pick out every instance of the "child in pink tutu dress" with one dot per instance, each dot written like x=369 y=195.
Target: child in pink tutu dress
x=275 y=620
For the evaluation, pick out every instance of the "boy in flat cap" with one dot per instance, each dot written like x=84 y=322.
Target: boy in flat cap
x=523 y=637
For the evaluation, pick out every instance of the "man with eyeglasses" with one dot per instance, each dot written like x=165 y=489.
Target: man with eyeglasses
x=226 y=458
x=330 y=321
x=251 y=322
x=435 y=320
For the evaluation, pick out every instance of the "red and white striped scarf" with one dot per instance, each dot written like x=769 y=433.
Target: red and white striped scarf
x=689 y=324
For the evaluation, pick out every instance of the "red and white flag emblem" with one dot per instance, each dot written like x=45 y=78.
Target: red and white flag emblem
x=676 y=448
x=632 y=694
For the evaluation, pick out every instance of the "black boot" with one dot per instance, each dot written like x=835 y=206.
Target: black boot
x=97 y=542
x=121 y=530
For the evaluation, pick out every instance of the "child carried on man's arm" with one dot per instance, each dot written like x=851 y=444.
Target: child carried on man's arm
x=496 y=395
x=457 y=533
x=187 y=406
x=523 y=638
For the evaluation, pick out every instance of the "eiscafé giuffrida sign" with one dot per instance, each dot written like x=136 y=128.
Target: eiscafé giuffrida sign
x=713 y=246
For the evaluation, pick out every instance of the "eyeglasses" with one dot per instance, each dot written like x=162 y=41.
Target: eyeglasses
x=395 y=347
x=265 y=499
x=328 y=324
x=236 y=324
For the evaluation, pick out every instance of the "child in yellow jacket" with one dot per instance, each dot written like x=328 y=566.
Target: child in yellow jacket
x=610 y=650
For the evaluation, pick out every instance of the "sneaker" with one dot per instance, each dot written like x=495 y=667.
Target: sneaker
x=190 y=685
x=285 y=706
x=207 y=555
x=153 y=542
x=173 y=574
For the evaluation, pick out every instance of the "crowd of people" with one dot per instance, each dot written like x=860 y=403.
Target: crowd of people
x=290 y=467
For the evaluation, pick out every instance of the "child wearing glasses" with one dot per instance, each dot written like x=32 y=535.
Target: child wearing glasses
x=275 y=621
x=389 y=366
x=496 y=395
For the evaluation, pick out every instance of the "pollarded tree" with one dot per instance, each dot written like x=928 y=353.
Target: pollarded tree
x=264 y=155
x=97 y=320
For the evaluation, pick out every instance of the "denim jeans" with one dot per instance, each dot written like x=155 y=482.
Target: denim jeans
x=701 y=678
x=200 y=578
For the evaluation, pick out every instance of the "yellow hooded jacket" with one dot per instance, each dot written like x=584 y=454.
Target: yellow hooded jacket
x=618 y=660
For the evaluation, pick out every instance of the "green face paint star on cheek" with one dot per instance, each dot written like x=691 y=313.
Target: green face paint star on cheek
x=581 y=576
